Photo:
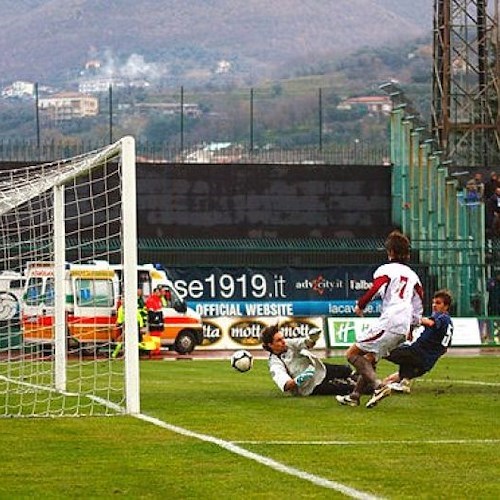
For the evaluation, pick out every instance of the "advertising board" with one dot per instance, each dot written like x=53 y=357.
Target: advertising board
x=225 y=333
x=343 y=332
x=275 y=292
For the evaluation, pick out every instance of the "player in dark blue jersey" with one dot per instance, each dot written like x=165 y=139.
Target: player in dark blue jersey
x=419 y=357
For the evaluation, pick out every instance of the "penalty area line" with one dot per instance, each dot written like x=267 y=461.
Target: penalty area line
x=266 y=461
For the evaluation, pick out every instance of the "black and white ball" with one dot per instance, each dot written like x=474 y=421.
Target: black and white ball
x=241 y=361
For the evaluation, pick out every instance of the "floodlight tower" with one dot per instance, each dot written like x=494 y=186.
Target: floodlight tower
x=466 y=81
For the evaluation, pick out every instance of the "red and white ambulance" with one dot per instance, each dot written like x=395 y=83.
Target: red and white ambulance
x=181 y=327
x=92 y=296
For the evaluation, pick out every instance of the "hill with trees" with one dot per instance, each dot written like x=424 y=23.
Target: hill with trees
x=284 y=56
x=184 y=41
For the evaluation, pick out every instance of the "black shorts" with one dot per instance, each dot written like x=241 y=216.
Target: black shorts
x=410 y=361
x=336 y=381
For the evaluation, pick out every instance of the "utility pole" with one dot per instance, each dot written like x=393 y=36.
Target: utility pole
x=37 y=120
x=110 y=103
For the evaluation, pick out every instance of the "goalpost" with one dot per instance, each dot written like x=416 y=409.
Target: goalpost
x=63 y=226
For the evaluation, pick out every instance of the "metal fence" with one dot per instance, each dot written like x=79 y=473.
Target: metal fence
x=356 y=153
x=447 y=232
x=430 y=206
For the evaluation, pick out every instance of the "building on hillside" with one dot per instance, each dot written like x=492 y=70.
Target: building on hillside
x=215 y=152
x=168 y=108
x=93 y=65
x=377 y=104
x=223 y=67
x=96 y=85
x=68 y=106
x=19 y=89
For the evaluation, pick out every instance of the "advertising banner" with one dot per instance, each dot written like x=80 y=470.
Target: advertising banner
x=343 y=332
x=227 y=333
x=236 y=302
x=275 y=292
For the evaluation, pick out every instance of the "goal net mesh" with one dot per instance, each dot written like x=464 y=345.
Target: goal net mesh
x=61 y=231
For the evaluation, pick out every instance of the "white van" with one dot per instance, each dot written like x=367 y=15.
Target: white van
x=91 y=292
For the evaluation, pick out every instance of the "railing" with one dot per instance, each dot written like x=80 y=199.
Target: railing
x=357 y=153
x=429 y=206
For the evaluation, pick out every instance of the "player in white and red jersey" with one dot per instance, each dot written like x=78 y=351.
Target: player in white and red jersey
x=401 y=292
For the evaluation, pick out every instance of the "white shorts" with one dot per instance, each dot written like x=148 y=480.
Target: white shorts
x=380 y=342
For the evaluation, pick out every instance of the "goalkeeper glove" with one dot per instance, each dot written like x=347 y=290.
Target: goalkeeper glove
x=304 y=376
x=314 y=334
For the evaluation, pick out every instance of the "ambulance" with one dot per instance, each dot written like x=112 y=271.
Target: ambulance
x=180 y=327
x=91 y=297
x=93 y=294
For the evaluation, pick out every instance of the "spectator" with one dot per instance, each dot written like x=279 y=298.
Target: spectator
x=155 y=314
x=299 y=372
x=493 y=214
x=140 y=298
x=478 y=181
x=471 y=192
x=120 y=323
x=141 y=305
x=401 y=293
x=494 y=295
x=153 y=302
x=165 y=296
x=490 y=186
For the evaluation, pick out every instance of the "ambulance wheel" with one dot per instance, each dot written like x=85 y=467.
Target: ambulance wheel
x=184 y=343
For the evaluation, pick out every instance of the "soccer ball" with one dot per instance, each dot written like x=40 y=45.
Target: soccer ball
x=241 y=361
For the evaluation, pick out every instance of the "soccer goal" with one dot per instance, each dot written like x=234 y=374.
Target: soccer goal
x=64 y=226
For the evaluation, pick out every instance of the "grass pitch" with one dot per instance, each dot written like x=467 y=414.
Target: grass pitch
x=441 y=441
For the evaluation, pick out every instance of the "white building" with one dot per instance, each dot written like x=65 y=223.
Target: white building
x=98 y=85
x=215 y=152
x=69 y=105
x=19 y=89
x=169 y=108
x=374 y=104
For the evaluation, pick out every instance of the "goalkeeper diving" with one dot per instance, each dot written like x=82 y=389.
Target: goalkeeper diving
x=297 y=371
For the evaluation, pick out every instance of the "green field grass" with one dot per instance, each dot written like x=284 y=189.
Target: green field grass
x=441 y=441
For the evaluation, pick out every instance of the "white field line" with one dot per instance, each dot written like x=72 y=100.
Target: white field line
x=268 y=462
x=233 y=448
x=37 y=387
x=273 y=464
x=317 y=480
x=371 y=443
x=462 y=382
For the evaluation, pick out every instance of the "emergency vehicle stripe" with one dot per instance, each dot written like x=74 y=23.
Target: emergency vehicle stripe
x=96 y=320
x=179 y=320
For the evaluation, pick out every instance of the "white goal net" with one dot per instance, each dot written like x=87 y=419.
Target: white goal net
x=64 y=227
